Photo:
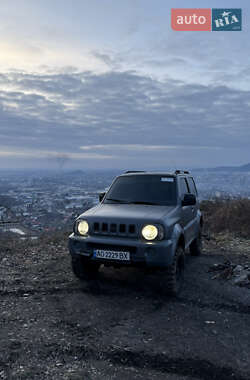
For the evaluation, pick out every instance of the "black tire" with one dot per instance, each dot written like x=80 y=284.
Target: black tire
x=174 y=273
x=195 y=247
x=84 y=269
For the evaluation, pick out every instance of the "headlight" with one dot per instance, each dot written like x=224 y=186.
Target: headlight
x=82 y=227
x=150 y=232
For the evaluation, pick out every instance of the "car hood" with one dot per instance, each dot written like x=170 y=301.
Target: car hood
x=127 y=212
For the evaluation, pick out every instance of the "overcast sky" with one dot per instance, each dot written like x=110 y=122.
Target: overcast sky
x=108 y=84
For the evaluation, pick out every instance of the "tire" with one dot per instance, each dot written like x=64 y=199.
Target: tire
x=84 y=269
x=195 y=247
x=174 y=273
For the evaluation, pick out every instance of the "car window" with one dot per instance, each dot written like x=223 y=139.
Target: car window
x=192 y=186
x=183 y=186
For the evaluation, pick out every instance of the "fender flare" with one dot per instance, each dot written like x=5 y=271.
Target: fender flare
x=177 y=236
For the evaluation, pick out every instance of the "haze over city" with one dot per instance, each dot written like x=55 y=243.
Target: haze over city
x=109 y=84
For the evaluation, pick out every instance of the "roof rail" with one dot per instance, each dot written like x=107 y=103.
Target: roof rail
x=181 y=172
x=134 y=171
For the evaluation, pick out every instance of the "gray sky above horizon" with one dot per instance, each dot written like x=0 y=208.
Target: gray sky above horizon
x=108 y=84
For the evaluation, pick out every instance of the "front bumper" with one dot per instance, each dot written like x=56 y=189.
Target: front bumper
x=151 y=254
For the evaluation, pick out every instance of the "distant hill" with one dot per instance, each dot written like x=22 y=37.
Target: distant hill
x=242 y=168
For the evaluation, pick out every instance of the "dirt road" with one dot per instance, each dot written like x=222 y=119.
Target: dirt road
x=119 y=327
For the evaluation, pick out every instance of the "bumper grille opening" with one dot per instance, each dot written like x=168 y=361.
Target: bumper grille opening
x=96 y=227
x=122 y=228
x=131 y=229
x=105 y=227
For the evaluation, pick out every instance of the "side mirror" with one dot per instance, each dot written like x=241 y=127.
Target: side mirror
x=101 y=196
x=189 y=200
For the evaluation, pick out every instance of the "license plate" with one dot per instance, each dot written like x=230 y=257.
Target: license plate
x=111 y=255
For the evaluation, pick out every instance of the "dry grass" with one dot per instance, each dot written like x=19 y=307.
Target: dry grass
x=229 y=216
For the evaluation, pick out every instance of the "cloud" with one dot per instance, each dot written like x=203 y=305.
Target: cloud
x=116 y=115
x=56 y=157
x=111 y=60
x=141 y=147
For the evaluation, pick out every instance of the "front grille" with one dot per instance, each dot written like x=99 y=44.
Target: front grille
x=114 y=229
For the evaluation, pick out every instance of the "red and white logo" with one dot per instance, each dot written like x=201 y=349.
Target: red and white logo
x=191 y=19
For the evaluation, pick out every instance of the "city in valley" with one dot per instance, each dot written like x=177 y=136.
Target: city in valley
x=34 y=202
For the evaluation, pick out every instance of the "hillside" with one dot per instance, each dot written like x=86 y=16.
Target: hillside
x=121 y=325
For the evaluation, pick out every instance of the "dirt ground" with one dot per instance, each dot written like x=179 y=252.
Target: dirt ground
x=119 y=326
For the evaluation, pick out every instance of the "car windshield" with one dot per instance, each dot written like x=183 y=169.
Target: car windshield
x=143 y=189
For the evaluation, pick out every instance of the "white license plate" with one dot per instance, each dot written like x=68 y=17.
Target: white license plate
x=111 y=255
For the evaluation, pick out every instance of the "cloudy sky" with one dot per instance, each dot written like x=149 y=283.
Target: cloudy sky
x=108 y=84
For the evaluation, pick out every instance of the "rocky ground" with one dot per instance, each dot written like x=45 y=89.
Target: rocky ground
x=121 y=326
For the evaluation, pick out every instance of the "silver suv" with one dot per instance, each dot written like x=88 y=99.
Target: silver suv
x=145 y=219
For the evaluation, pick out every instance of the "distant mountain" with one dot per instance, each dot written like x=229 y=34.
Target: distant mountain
x=242 y=168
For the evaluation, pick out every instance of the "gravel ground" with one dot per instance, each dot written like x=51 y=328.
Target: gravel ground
x=119 y=326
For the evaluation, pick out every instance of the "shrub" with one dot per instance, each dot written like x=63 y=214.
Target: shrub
x=231 y=216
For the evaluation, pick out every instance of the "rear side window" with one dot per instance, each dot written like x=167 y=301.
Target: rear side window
x=192 y=186
x=183 y=186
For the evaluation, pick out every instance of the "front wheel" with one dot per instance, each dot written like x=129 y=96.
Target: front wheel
x=84 y=269
x=174 y=273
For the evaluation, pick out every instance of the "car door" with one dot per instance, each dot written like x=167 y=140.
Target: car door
x=186 y=212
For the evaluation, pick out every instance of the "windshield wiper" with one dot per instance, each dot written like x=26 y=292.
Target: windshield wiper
x=132 y=202
x=144 y=203
x=116 y=200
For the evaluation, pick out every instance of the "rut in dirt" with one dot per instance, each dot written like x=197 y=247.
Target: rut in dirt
x=96 y=290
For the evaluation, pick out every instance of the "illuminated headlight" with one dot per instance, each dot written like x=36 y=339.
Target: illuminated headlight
x=150 y=232
x=82 y=227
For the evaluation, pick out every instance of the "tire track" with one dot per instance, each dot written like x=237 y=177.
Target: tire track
x=196 y=368
x=92 y=289
x=193 y=367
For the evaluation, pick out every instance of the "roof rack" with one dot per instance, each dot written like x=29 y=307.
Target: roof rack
x=134 y=171
x=182 y=172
